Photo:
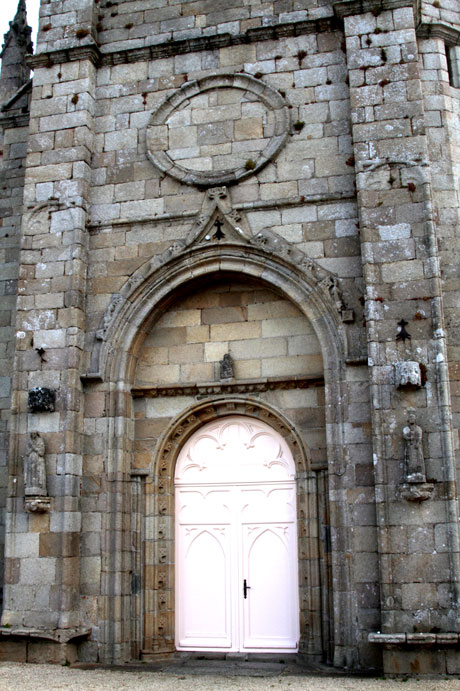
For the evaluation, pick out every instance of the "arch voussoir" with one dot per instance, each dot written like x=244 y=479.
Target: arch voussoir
x=141 y=298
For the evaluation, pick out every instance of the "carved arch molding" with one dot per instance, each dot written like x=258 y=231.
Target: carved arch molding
x=158 y=586
x=264 y=256
x=167 y=124
x=193 y=418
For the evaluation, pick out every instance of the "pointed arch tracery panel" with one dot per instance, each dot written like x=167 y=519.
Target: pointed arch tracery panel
x=204 y=613
x=235 y=450
x=270 y=549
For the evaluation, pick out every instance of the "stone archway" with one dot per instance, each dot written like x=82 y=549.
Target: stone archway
x=159 y=632
x=123 y=336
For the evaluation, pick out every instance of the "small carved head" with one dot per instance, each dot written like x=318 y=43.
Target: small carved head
x=411 y=419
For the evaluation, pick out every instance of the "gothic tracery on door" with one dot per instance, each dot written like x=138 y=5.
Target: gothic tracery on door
x=236 y=540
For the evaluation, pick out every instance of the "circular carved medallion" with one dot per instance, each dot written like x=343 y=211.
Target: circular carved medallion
x=217 y=130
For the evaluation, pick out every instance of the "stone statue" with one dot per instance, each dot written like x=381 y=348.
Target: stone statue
x=413 y=457
x=34 y=467
x=226 y=367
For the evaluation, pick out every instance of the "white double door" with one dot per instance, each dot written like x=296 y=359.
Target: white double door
x=236 y=542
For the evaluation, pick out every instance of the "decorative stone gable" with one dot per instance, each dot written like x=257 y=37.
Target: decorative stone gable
x=218 y=228
x=217 y=220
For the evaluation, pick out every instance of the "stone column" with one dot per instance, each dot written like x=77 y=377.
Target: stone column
x=43 y=549
x=419 y=574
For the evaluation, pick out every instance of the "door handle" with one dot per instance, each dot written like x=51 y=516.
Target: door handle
x=246 y=587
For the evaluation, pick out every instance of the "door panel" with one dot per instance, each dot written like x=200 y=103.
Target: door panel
x=205 y=605
x=204 y=505
x=268 y=503
x=203 y=568
x=269 y=607
x=231 y=527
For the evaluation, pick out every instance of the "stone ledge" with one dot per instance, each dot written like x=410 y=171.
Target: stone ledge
x=163 y=50
x=445 y=32
x=233 y=386
x=346 y=8
x=449 y=638
x=56 y=57
x=56 y=635
x=18 y=120
x=260 y=205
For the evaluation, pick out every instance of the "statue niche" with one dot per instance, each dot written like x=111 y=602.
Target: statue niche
x=415 y=486
x=36 y=495
x=413 y=455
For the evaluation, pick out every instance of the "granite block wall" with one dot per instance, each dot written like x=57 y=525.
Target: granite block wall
x=274 y=182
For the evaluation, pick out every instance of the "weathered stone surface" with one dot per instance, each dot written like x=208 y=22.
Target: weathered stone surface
x=299 y=205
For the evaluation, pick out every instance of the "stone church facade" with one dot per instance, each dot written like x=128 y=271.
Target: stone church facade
x=231 y=211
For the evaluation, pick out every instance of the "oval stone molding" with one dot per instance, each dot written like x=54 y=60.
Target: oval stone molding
x=217 y=130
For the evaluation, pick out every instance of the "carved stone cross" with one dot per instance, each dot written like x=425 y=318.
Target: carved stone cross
x=218 y=235
x=402 y=334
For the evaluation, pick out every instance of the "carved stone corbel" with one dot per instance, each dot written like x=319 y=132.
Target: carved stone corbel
x=407 y=374
x=37 y=504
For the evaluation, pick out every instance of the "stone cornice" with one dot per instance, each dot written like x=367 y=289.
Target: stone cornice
x=346 y=8
x=171 y=48
x=56 y=635
x=342 y=9
x=228 y=387
x=411 y=639
x=88 y=52
x=446 y=32
x=19 y=120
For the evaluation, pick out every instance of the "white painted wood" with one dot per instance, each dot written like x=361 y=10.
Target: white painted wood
x=236 y=520
x=234 y=450
x=204 y=576
x=269 y=548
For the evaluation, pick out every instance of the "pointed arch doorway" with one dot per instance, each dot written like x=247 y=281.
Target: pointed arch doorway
x=236 y=540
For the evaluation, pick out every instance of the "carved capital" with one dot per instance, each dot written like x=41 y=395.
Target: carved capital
x=417 y=492
x=37 y=504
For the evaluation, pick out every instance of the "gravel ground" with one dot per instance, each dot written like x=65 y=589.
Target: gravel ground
x=27 y=677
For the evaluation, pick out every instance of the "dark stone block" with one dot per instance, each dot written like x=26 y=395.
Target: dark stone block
x=41 y=400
